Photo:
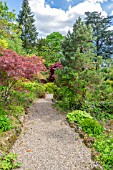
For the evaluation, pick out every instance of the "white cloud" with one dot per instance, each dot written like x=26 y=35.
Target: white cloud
x=52 y=2
x=111 y=28
x=96 y=1
x=50 y=19
x=111 y=13
x=110 y=6
x=69 y=0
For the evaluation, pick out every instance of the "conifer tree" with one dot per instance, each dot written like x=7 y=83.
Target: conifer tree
x=75 y=77
x=103 y=35
x=27 y=23
x=78 y=46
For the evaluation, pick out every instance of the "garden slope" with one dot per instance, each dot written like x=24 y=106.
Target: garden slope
x=48 y=143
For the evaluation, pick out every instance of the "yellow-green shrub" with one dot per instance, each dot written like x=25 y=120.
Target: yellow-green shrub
x=109 y=82
x=87 y=122
x=3 y=43
x=34 y=87
x=17 y=110
x=50 y=87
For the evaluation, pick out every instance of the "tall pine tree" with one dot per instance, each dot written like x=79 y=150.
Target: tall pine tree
x=27 y=23
x=103 y=35
x=78 y=46
x=78 y=72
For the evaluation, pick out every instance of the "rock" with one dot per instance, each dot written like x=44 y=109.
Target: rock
x=81 y=134
x=89 y=141
x=97 y=166
x=94 y=154
x=79 y=129
x=18 y=130
x=72 y=124
x=21 y=119
x=76 y=127
x=43 y=95
x=1 y=153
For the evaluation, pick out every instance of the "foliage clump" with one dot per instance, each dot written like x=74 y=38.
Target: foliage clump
x=5 y=123
x=37 y=88
x=8 y=162
x=16 y=66
x=50 y=48
x=50 y=87
x=104 y=145
x=9 y=31
x=87 y=122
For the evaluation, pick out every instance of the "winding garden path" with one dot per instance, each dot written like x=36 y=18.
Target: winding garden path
x=48 y=143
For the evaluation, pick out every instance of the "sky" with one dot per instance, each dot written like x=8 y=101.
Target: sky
x=60 y=15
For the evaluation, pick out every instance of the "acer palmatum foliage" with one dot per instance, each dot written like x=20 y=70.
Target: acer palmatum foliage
x=16 y=66
x=53 y=67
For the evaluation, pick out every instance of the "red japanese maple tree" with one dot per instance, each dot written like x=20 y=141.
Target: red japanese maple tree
x=14 y=67
x=53 y=67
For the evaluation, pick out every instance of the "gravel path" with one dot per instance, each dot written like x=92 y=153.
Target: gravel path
x=48 y=143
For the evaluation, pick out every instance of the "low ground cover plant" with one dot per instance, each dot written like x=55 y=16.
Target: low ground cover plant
x=5 y=123
x=104 y=145
x=86 y=122
x=8 y=162
x=103 y=142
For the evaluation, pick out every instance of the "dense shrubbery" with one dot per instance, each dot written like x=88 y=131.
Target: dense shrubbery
x=21 y=97
x=71 y=89
x=16 y=92
x=80 y=83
